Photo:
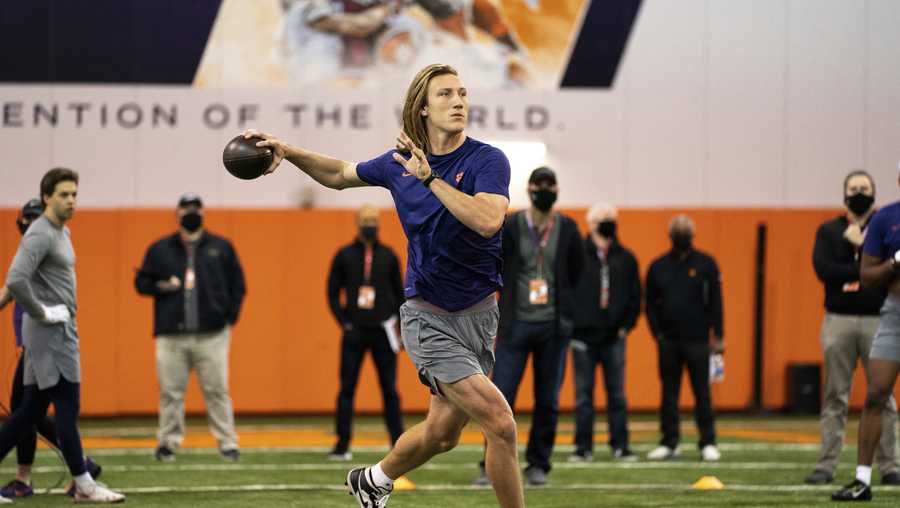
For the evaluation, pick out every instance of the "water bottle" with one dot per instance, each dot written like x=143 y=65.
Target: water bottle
x=716 y=368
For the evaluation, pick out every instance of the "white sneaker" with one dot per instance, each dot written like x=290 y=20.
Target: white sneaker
x=100 y=494
x=710 y=453
x=5 y=500
x=663 y=453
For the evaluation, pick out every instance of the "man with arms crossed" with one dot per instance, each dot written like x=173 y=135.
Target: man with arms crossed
x=451 y=194
x=851 y=318
x=880 y=265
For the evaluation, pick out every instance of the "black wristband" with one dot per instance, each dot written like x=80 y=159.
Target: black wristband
x=427 y=182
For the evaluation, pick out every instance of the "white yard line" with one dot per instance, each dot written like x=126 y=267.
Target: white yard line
x=688 y=448
x=636 y=487
x=345 y=466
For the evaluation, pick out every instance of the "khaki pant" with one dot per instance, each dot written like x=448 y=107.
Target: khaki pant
x=207 y=354
x=845 y=340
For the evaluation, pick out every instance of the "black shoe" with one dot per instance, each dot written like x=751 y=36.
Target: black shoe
x=624 y=454
x=890 y=478
x=856 y=491
x=231 y=454
x=819 y=477
x=164 y=453
x=367 y=494
x=535 y=476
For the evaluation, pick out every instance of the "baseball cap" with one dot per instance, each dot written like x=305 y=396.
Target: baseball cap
x=190 y=199
x=541 y=175
x=32 y=208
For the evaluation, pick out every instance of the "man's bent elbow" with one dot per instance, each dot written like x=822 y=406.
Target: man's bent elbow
x=490 y=229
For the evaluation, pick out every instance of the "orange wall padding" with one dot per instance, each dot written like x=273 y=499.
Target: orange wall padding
x=285 y=348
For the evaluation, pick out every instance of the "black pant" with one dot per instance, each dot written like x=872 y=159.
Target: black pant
x=541 y=341
x=66 y=399
x=674 y=355
x=28 y=440
x=586 y=355
x=353 y=349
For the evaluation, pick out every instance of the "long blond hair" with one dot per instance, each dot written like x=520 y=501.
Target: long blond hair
x=416 y=99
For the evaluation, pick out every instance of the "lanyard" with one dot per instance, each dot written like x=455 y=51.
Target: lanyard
x=367 y=266
x=603 y=256
x=539 y=244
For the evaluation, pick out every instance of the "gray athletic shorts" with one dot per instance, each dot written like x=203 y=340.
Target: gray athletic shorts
x=449 y=346
x=886 y=344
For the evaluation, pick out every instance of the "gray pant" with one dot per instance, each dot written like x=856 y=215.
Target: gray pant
x=207 y=354
x=846 y=339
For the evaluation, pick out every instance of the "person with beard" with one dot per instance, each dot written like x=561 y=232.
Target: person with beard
x=42 y=280
x=848 y=328
x=542 y=260
x=368 y=273
x=608 y=303
x=21 y=486
x=197 y=285
x=684 y=310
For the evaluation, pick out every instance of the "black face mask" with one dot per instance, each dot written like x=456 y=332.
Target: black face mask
x=368 y=232
x=191 y=221
x=543 y=199
x=607 y=228
x=859 y=203
x=681 y=241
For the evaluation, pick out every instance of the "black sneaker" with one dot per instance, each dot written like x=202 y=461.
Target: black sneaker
x=856 y=491
x=164 y=453
x=890 y=478
x=624 y=454
x=819 y=477
x=363 y=488
x=232 y=454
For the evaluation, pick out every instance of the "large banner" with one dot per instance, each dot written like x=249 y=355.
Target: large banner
x=371 y=43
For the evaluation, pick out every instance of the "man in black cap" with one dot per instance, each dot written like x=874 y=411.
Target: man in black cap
x=197 y=285
x=21 y=486
x=542 y=260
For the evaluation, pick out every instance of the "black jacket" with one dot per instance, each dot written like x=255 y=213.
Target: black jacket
x=219 y=283
x=566 y=270
x=347 y=269
x=836 y=262
x=684 y=297
x=591 y=323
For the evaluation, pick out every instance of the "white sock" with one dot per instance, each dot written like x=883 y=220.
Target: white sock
x=378 y=476
x=864 y=474
x=85 y=483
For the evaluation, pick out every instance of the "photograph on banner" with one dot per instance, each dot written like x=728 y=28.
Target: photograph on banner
x=369 y=43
